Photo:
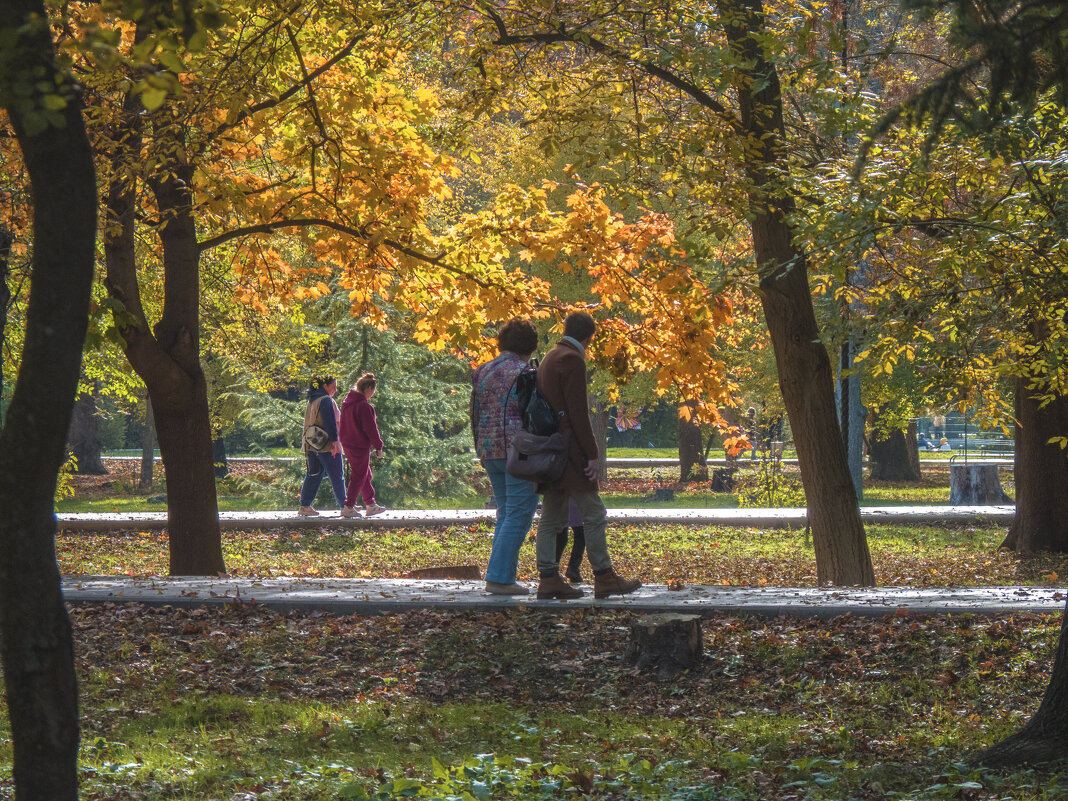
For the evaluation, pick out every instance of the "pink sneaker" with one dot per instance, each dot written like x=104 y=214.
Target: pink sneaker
x=374 y=509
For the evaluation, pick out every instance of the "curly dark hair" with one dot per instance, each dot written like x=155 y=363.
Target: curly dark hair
x=519 y=336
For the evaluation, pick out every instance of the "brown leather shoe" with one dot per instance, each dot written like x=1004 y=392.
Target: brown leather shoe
x=555 y=587
x=611 y=583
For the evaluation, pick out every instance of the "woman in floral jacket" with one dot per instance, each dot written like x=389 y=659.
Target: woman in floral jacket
x=494 y=421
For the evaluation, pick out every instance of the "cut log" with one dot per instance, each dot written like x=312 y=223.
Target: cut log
x=456 y=572
x=668 y=643
x=976 y=485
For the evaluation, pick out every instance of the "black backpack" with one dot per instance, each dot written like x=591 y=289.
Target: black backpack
x=535 y=410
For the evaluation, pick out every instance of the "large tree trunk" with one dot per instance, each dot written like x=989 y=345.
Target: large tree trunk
x=692 y=466
x=168 y=359
x=1041 y=475
x=805 y=375
x=38 y=653
x=84 y=436
x=895 y=456
x=1045 y=737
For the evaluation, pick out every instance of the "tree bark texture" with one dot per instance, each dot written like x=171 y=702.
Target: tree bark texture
x=1041 y=475
x=148 y=446
x=84 y=436
x=5 y=293
x=1045 y=737
x=168 y=358
x=669 y=644
x=38 y=654
x=975 y=485
x=692 y=466
x=895 y=455
x=805 y=373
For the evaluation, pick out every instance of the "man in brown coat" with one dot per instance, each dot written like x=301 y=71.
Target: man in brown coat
x=562 y=379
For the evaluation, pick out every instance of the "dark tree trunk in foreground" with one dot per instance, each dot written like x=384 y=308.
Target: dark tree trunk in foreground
x=168 y=358
x=1045 y=737
x=692 y=466
x=895 y=456
x=84 y=436
x=1041 y=475
x=805 y=375
x=38 y=654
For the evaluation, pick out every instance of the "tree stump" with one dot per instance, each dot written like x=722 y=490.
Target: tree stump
x=668 y=643
x=723 y=479
x=976 y=485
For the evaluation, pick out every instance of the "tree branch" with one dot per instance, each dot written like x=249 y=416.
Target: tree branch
x=563 y=36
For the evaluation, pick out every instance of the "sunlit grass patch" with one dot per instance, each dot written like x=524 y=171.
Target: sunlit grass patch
x=241 y=701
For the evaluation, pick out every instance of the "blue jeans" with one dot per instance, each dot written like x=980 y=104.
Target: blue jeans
x=319 y=463
x=516 y=503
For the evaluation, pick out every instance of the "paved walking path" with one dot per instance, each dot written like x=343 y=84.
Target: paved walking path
x=420 y=518
x=379 y=596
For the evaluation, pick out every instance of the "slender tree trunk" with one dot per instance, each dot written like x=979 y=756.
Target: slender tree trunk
x=1041 y=475
x=168 y=359
x=599 y=421
x=692 y=466
x=805 y=374
x=84 y=436
x=895 y=456
x=218 y=457
x=148 y=446
x=5 y=298
x=38 y=653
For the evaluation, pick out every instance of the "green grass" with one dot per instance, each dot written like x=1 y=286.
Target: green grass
x=240 y=702
x=902 y=555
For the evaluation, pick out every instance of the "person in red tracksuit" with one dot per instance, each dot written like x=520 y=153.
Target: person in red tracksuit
x=359 y=436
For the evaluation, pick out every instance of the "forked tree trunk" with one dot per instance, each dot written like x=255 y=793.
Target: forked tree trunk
x=38 y=652
x=692 y=466
x=895 y=456
x=805 y=375
x=1045 y=737
x=1041 y=475
x=84 y=436
x=168 y=359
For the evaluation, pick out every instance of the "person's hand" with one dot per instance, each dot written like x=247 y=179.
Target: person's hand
x=335 y=448
x=593 y=469
x=378 y=453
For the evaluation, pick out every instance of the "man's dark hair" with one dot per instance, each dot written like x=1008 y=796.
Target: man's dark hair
x=518 y=336
x=579 y=325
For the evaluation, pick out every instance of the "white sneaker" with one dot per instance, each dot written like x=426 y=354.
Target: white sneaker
x=306 y=511
x=348 y=511
x=374 y=509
